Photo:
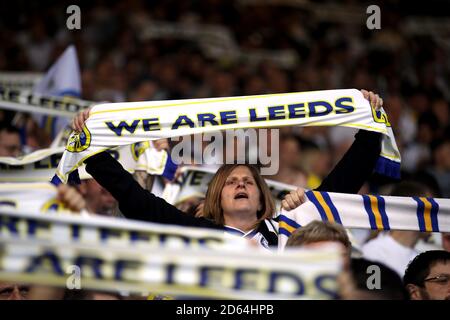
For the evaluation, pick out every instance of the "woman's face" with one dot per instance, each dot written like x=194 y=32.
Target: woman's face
x=240 y=193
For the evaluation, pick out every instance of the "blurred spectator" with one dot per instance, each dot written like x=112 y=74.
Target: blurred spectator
x=411 y=71
x=13 y=291
x=446 y=241
x=353 y=285
x=117 y=64
x=90 y=295
x=428 y=276
x=191 y=205
x=317 y=232
x=441 y=165
x=417 y=154
x=401 y=119
x=290 y=155
x=38 y=45
x=10 y=145
x=98 y=200
x=146 y=90
x=396 y=248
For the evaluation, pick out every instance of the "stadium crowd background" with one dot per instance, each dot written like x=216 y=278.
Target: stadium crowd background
x=408 y=69
x=296 y=46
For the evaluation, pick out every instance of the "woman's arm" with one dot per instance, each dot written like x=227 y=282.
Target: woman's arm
x=358 y=163
x=134 y=201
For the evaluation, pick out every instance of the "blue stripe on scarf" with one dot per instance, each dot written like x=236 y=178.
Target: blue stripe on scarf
x=371 y=215
x=170 y=168
x=290 y=222
x=387 y=167
x=319 y=207
x=420 y=214
x=284 y=231
x=55 y=180
x=74 y=178
x=69 y=92
x=434 y=214
x=382 y=209
x=23 y=136
x=333 y=209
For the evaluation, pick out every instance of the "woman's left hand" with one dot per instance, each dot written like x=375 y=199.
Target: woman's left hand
x=293 y=199
x=161 y=144
x=375 y=100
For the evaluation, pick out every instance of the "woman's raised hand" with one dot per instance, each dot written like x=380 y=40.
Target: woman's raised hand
x=293 y=199
x=79 y=120
x=375 y=100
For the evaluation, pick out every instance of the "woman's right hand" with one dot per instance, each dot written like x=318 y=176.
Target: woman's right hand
x=79 y=120
x=71 y=198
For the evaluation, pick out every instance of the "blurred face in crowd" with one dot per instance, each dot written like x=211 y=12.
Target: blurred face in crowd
x=290 y=152
x=446 y=241
x=98 y=199
x=190 y=205
x=436 y=285
x=10 y=145
x=104 y=296
x=442 y=156
x=13 y=291
x=240 y=193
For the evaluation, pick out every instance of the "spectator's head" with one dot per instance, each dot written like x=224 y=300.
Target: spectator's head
x=13 y=291
x=427 y=179
x=190 y=205
x=98 y=200
x=318 y=232
x=289 y=151
x=238 y=192
x=441 y=109
x=427 y=276
x=90 y=295
x=368 y=280
x=441 y=154
x=146 y=90
x=410 y=189
x=428 y=123
x=446 y=241
x=10 y=145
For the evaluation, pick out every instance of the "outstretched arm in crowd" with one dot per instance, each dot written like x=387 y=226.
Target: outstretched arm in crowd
x=134 y=201
x=358 y=163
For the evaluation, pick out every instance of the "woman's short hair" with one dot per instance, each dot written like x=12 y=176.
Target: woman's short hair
x=212 y=208
x=318 y=231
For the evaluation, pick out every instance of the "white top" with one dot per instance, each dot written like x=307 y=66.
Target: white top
x=255 y=234
x=388 y=251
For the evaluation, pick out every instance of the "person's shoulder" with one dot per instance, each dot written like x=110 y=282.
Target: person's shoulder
x=376 y=243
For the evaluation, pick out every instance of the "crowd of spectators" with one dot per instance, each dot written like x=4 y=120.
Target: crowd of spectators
x=409 y=70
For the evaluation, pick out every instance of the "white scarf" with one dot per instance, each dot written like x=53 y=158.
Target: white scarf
x=26 y=101
x=117 y=124
x=205 y=263
x=367 y=212
x=32 y=197
x=40 y=165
